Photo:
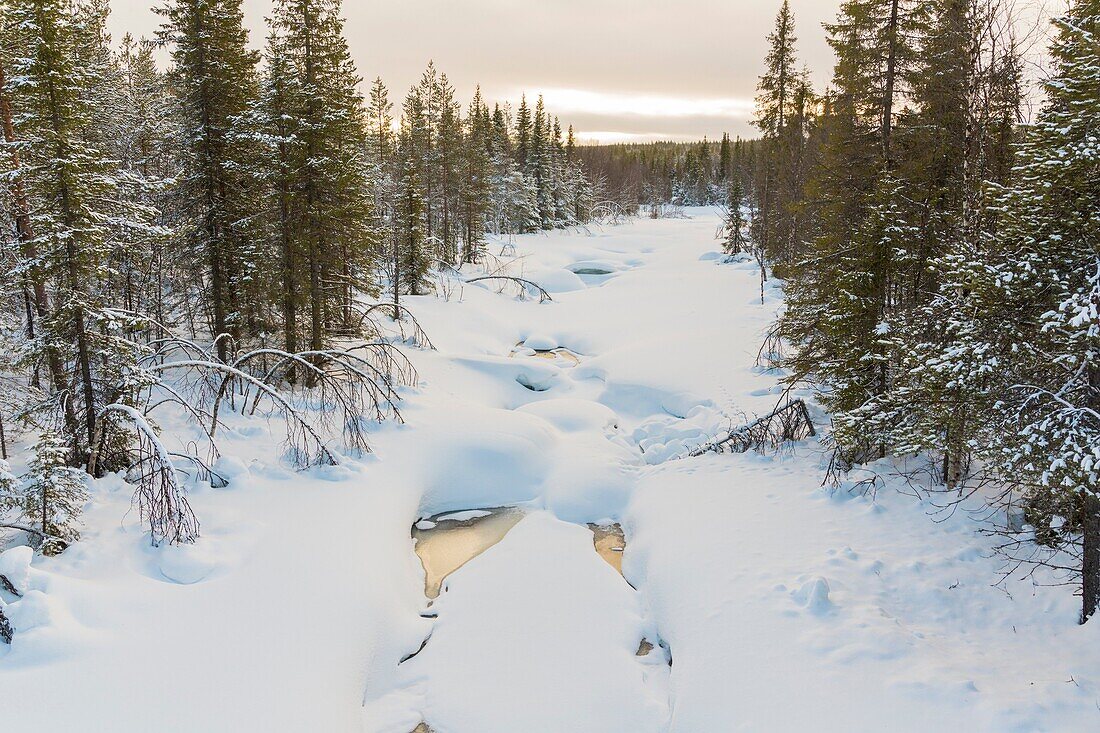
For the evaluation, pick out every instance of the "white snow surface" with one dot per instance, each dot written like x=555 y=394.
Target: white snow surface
x=785 y=606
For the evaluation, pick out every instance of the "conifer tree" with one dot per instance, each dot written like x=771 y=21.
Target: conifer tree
x=540 y=164
x=524 y=132
x=54 y=493
x=145 y=147
x=1037 y=293
x=724 y=158
x=735 y=218
x=476 y=177
x=774 y=92
x=380 y=122
x=449 y=146
x=77 y=211
x=333 y=230
x=215 y=78
x=783 y=95
x=412 y=260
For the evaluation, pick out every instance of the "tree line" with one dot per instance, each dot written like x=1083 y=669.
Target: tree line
x=942 y=255
x=635 y=175
x=219 y=227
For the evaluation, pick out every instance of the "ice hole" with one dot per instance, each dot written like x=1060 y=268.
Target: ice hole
x=561 y=356
x=448 y=541
x=610 y=542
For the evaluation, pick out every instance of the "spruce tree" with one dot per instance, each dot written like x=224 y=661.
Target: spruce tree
x=333 y=229
x=476 y=177
x=735 y=242
x=78 y=212
x=215 y=79
x=783 y=95
x=54 y=493
x=524 y=132
x=412 y=260
x=1044 y=274
x=380 y=123
x=449 y=156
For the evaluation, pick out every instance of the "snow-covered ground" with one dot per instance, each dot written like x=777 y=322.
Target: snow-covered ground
x=783 y=606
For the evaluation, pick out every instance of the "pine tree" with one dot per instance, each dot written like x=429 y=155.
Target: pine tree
x=412 y=260
x=425 y=140
x=724 y=158
x=783 y=95
x=540 y=165
x=145 y=142
x=77 y=211
x=735 y=218
x=54 y=494
x=774 y=92
x=850 y=288
x=476 y=177
x=277 y=172
x=216 y=82
x=380 y=122
x=966 y=88
x=381 y=151
x=1044 y=274
x=524 y=132
x=449 y=146
x=333 y=229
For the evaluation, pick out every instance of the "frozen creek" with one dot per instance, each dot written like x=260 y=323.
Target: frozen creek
x=783 y=606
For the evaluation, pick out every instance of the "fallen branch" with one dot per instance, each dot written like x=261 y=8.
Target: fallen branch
x=398 y=314
x=790 y=422
x=159 y=496
x=42 y=536
x=525 y=285
x=7 y=585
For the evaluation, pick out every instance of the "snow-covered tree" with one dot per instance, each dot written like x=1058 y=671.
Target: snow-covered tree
x=54 y=493
x=215 y=80
x=1045 y=272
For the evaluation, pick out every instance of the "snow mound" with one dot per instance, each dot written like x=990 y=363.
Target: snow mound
x=541 y=342
x=572 y=415
x=186 y=564
x=478 y=458
x=32 y=611
x=813 y=595
x=231 y=468
x=556 y=281
x=16 y=565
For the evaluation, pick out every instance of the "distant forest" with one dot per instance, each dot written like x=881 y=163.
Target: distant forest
x=684 y=173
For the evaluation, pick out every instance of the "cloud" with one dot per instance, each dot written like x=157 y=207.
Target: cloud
x=567 y=101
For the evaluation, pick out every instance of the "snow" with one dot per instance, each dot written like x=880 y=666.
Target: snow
x=540 y=342
x=508 y=610
x=785 y=606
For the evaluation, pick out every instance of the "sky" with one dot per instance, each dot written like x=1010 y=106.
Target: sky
x=617 y=70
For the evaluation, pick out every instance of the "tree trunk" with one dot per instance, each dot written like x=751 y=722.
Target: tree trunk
x=290 y=285
x=76 y=283
x=25 y=231
x=1090 y=555
x=891 y=74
